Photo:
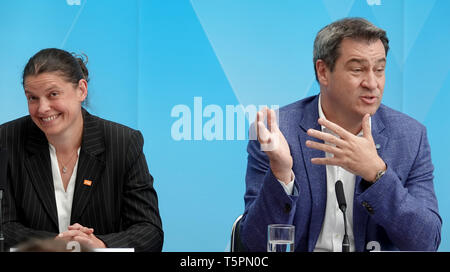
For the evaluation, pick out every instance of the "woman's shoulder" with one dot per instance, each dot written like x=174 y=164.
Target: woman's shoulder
x=110 y=129
x=13 y=134
x=17 y=123
x=15 y=129
x=107 y=124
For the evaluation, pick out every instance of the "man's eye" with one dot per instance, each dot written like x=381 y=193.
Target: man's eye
x=54 y=94
x=31 y=98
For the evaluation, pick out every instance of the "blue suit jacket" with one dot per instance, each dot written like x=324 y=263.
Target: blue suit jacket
x=399 y=211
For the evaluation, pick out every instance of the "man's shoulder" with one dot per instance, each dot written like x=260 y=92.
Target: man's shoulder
x=299 y=105
x=395 y=120
x=296 y=111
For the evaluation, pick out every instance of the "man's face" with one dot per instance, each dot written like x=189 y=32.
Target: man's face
x=355 y=87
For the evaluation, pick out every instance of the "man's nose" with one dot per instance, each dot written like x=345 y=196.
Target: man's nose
x=370 y=81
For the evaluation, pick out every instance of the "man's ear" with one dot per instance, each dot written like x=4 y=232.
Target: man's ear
x=323 y=73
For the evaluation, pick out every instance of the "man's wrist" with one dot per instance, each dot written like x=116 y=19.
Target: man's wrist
x=285 y=176
x=289 y=186
x=379 y=173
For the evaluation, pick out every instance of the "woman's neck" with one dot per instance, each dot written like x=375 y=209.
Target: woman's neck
x=69 y=140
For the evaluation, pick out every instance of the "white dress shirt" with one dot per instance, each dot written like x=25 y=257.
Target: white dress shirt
x=63 y=198
x=332 y=232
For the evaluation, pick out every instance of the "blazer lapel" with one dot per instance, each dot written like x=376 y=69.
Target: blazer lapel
x=90 y=166
x=316 y=173
x=38 y=165
x=360 y=216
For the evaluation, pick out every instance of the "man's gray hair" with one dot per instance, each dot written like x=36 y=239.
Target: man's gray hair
x=329 y=38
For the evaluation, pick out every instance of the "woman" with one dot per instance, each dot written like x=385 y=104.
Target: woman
x=72 y=175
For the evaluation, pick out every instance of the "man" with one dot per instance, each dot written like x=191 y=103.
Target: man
x=382 y=157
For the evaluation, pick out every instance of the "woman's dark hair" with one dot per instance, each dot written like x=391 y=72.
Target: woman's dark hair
x=70 y=66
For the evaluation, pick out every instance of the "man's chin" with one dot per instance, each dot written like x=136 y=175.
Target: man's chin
x=369 y=110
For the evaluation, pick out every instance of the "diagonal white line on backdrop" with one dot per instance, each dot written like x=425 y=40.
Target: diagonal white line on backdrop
x=227 y=76
x=215 y=53
x=74 y=22
x=433 y=94
x=414 y=23
x=308 y=88
x=338 y=9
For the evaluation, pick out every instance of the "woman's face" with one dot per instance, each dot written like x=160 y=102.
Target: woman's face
x=54 y=103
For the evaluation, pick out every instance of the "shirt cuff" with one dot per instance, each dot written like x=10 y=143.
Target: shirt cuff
x=288 y=188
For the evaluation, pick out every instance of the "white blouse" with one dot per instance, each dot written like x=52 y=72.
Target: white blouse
x=63 y=198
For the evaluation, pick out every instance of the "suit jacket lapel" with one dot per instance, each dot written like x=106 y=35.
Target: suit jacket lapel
x=360 y=215
x=317 y=177
x=38 y=165
x=90 y=165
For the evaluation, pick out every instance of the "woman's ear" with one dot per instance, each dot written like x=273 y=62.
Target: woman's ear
x=82 y=89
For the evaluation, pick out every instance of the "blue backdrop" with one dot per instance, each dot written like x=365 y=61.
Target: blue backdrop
x=152 y=61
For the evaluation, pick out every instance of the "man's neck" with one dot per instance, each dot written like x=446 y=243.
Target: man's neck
x=352 y=125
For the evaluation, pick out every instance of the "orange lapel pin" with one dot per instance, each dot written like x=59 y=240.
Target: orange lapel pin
x=87 y=182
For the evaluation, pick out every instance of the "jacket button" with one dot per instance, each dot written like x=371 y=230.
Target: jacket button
x=287 y=208
x=368 y=207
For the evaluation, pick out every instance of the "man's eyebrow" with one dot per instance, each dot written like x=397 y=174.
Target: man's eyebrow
x=359 y=61
x=381 y=60
x=363 y=61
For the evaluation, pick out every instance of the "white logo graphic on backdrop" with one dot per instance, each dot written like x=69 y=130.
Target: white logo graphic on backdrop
x=374 y=2
x=215 y=128
x=73 y=2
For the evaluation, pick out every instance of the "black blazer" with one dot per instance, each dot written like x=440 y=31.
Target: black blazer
x=120 y=204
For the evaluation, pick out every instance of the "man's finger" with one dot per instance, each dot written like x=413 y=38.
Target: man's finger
x=323 y=147
x=325 y=161
x=259 y=116
x=260 y=123
x=344 y=134
x=263 y=133
x=367 y=132
x=326 y=137
x=272 y=120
